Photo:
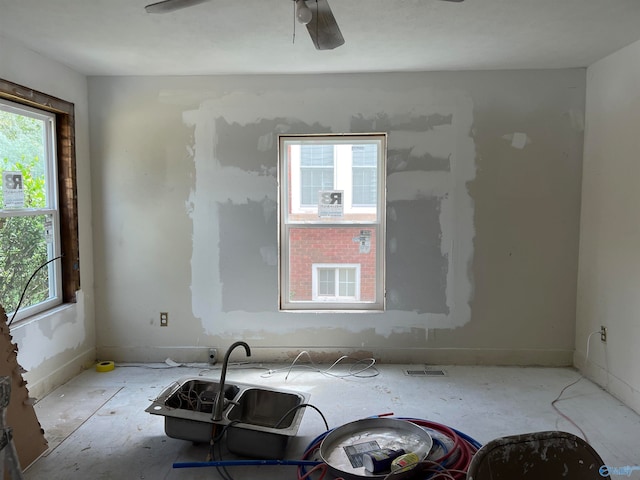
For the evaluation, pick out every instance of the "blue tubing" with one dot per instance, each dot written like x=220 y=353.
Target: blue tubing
x=240 y=463
x=440 y=444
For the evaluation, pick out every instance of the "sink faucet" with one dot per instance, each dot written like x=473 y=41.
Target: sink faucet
x=218 y=407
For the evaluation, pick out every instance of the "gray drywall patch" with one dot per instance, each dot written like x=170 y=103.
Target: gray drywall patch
x=417 y=269
x=252 y=147
x=246 y=231
x=403 y=160
x=409 y=123
x=219 y=179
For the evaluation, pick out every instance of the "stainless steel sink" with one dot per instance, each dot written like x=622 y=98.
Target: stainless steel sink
x=267 y=419
x=258 y=420
x=265 y=408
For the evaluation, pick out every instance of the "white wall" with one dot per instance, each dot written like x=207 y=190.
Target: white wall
x=55 y=346
x=609 y=267
x=484 y=182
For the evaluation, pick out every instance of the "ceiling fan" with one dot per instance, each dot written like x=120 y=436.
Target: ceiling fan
x=315 y=14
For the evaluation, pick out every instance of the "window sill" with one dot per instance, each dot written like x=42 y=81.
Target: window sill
x=59 y=309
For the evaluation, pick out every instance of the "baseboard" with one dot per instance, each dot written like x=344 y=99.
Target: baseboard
x=610 y=382
x=154 y=354
x=485 y=356
x=436 y=356
x=42 y=381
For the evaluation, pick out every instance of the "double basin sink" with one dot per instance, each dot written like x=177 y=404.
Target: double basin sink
x=258 y=420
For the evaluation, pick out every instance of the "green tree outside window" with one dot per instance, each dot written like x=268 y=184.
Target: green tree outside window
x=23 y=247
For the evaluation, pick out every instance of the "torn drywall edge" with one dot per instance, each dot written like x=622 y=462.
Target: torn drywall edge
x=50 y=333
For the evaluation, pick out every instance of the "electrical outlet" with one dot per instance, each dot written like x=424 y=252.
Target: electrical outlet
x=213 y=356
x=164 y=319
x=603 y=333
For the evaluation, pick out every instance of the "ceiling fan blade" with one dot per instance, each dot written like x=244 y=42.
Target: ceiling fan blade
x=171 y=5
x=323 y=28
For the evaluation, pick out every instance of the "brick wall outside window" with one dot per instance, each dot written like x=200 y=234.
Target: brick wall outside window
x=329 y=246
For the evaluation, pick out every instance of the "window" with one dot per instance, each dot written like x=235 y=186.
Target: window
x=38 y=209
x=336 y=282
x=364 y=174
x=29 y=219
x=331 y=214
x=316 y=171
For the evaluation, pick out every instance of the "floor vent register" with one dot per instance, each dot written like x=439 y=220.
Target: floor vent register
x=426 y=373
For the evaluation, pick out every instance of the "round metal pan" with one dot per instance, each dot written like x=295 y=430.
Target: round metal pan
x=342 y=449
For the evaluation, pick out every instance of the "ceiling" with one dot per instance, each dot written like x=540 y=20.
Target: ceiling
x=117 y=37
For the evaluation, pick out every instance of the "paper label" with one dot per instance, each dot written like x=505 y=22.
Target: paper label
x=355 y=452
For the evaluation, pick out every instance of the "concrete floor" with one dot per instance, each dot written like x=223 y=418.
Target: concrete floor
x=97 y=427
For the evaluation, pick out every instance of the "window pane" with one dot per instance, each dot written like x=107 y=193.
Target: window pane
x=316 y=156
x=335 y=246
x=24 y=249
x=312 y=181
x=326 y=281
x=364 y=186
x=316 y=172
x=347 y=282
x=365 y=155
x=364 y=174
x=23 y=161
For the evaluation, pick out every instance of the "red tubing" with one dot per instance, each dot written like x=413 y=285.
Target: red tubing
x=460 y=445
x=454 y=462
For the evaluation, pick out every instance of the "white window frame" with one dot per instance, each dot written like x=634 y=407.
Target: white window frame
x=289 y=196
x=52 y=208
x=336 y=267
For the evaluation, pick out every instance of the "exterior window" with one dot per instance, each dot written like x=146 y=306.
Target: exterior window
x=332 y=212
x=336 y=282
x=316 y=171
x=364 y=175
x=38 y=202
